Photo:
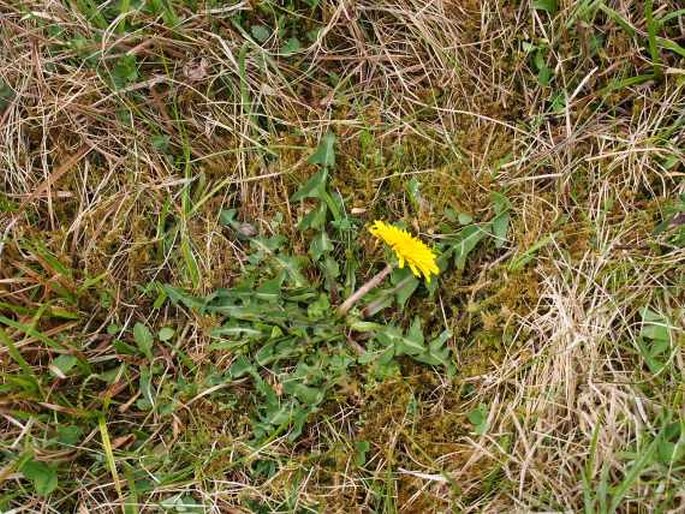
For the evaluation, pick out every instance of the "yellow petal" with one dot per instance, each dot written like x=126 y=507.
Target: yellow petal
x=407 y=249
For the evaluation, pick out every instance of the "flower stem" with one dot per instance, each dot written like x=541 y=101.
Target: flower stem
x=363 y=290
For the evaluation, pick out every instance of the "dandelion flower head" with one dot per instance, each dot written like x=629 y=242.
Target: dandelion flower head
x=408 y=249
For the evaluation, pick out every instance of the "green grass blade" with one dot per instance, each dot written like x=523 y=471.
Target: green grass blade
x=652 y=27
x=19 y=359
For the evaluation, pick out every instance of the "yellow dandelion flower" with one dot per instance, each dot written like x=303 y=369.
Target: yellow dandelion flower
x=407 y=248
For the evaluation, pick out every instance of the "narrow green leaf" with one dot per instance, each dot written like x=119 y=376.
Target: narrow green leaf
x=671 y=46
x=271 y=289
x=528 y=255
x=408 y=346
x=500 y=227
x=465 y=242
x=306 y=394
x=324 y=155
x=616 y=17
x=619 y=84
x=109 y=454
x=320 y=245
x=63 y=364
x=313 y=188
x=143 y=338
x=544 y=75
x=413 y=191
x=145 y=384
x=241 y=366
x=314 y=219
x=332 y=267
x=632 y=473
x=549 y=6
x=28 y=329
x=361 y=449
x=652 y=28
x=656 y=331
x=15 y=354
x=415 y=331
x=406 y=287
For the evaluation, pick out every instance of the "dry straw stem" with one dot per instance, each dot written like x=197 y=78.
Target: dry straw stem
x=369 y=286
